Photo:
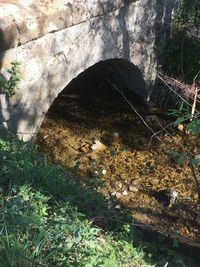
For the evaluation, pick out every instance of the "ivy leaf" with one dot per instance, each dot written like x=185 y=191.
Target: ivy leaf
x=194 y=126
x=195 y=161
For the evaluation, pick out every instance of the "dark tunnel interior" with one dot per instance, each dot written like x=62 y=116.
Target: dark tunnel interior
x=108 y=78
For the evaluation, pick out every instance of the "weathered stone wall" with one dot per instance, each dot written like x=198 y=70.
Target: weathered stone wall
x=54 y=41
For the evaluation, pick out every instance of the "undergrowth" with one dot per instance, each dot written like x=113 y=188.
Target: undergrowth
x=9 y=84
x=43 y=217
x=49 y=218
x=181 y=56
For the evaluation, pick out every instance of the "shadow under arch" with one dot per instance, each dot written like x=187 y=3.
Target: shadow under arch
x=96 y=87
x=98 y=80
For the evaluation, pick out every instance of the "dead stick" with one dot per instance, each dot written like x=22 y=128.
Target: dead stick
x=196 y=180
x=194 y=101
x=195 y=89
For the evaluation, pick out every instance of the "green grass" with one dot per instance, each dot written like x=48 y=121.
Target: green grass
x=49 y=218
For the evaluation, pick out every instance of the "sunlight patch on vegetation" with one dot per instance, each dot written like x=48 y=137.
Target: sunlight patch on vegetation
x=42 y=220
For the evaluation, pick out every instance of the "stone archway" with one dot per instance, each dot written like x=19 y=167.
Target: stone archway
x=53 y=51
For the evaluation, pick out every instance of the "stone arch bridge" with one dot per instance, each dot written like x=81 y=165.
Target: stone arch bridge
x=56 y=40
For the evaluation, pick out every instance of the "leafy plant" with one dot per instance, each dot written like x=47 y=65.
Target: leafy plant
x=189 y=12
x=180 y=158
x=194 y=126
x=43 y=221
x=8 y=86
x=183 y=115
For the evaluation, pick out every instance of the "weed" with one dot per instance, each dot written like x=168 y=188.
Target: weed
x=183 y=115
x=8 y=86
x=41 y=224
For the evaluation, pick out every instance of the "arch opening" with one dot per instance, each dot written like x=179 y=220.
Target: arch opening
x=90 y=108
x=100 y=78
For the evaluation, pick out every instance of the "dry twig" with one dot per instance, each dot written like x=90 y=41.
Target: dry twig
x=131 y=105
x=183 y=91
x=196 y=181
x=195 y=89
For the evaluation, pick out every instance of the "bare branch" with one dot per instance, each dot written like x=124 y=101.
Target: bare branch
x=194 y=101
x=192 y=34
x=196 y=181
x=131 y=105
x=163 y=129
x=179 y=86
x=194 y=80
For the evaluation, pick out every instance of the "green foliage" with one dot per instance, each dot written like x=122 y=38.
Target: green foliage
x=182 y=53
x=189 y=13
x=48 y=219
x=8 y=87
x=195 y=161
x=192 y=123
x=194 y=126
x=180 y=158
x=43 y=217
x=183 y=115
x=4 y=146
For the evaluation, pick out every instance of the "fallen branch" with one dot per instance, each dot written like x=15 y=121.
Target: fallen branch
x=167 y=233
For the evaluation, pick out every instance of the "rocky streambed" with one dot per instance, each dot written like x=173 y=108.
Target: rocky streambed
x=100 y=137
